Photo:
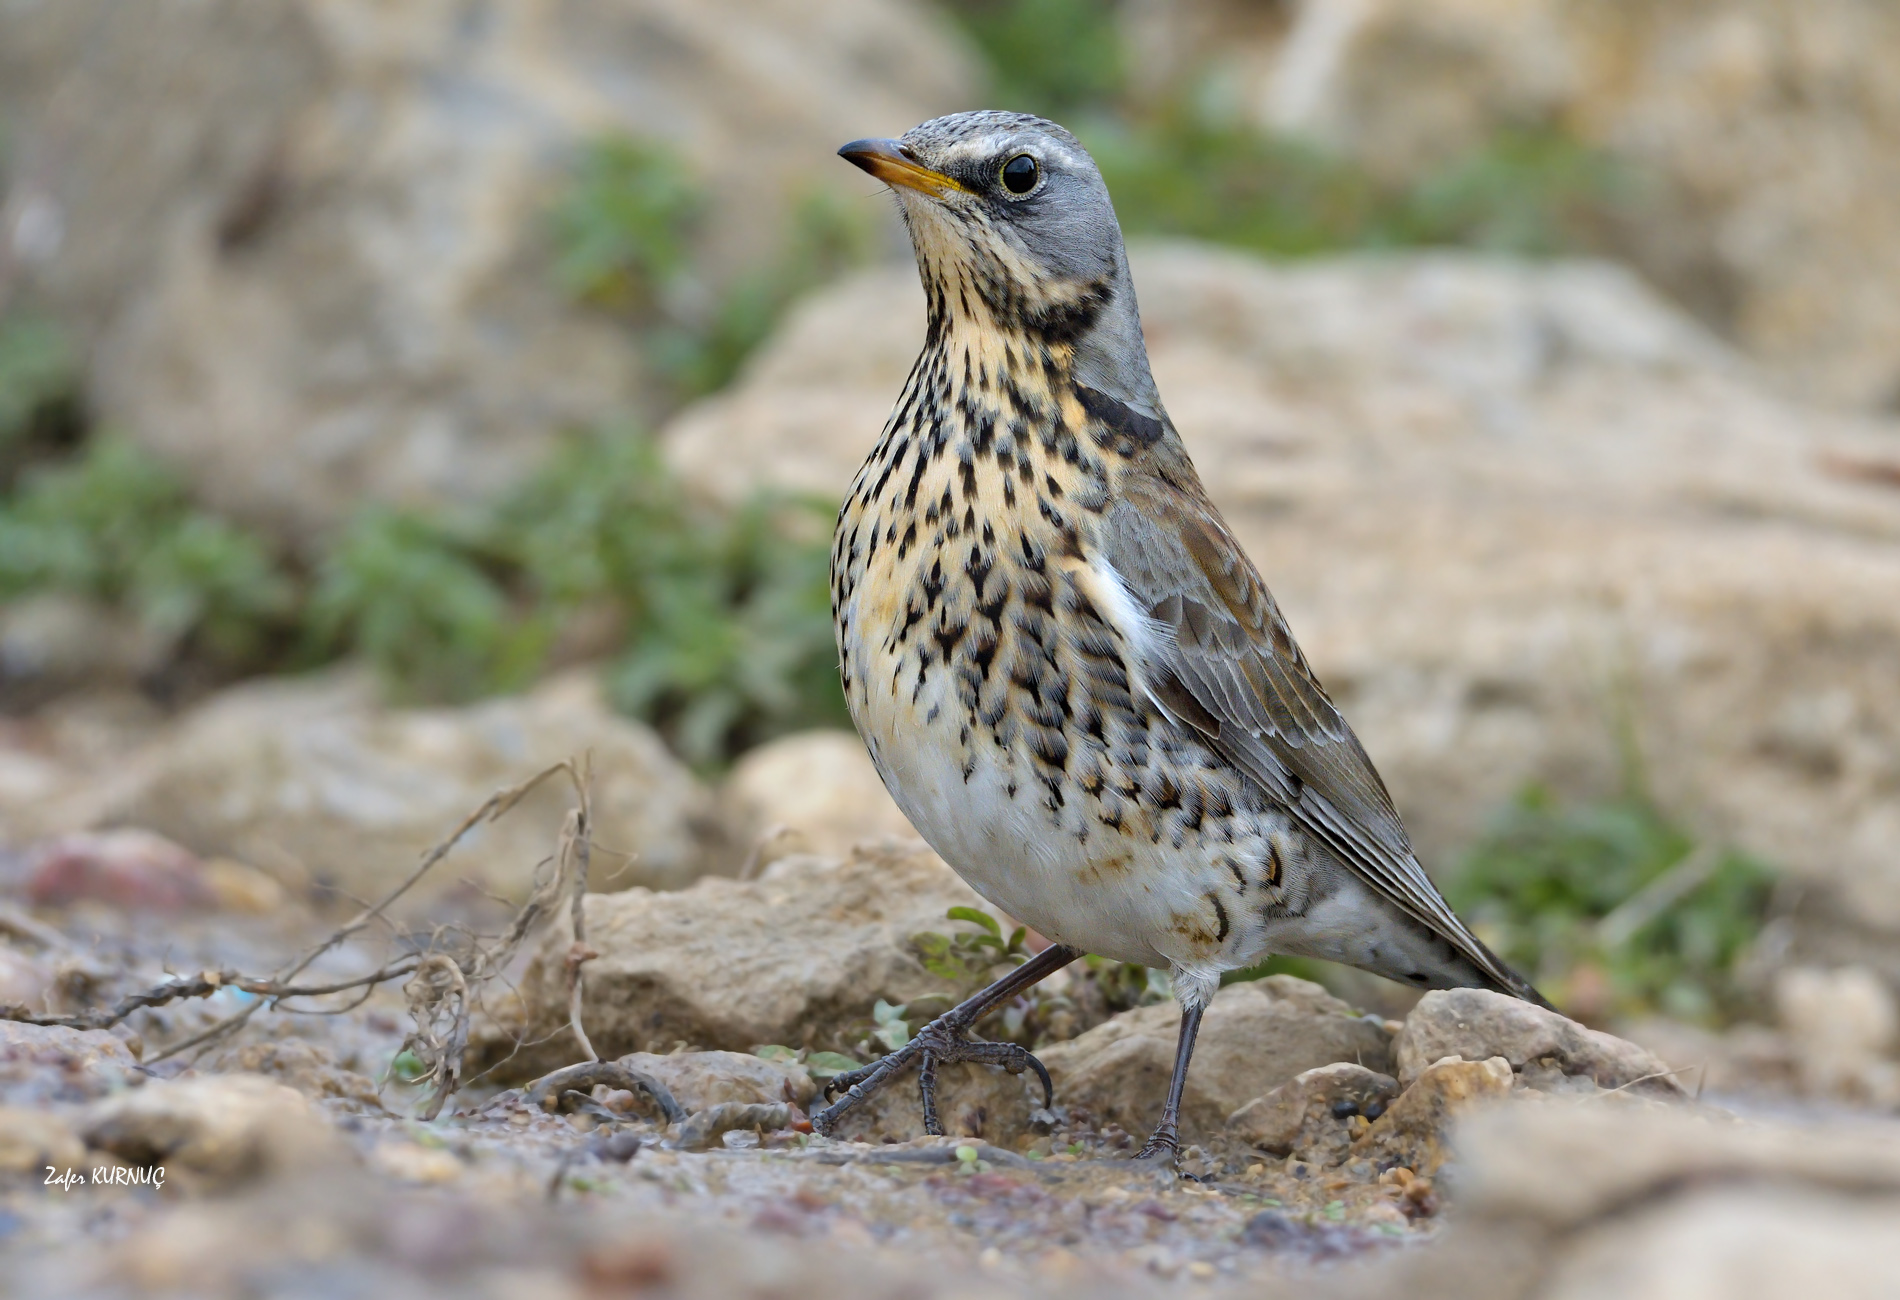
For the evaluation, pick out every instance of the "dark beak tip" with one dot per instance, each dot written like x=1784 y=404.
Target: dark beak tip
x=862 y=153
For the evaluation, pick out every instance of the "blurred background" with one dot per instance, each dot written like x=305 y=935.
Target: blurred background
x=394 y=397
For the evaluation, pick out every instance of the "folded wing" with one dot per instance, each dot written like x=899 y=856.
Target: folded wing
x=1219 y=658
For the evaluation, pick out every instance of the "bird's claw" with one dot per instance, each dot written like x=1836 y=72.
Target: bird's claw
x=939 y=1043
x=1162 y=1149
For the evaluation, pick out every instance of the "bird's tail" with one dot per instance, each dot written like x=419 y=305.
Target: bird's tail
x=1506 y=980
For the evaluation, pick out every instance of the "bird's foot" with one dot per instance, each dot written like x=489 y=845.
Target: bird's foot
x=1163 y=1148
x=939 y=1043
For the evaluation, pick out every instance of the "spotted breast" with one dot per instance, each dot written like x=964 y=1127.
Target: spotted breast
x=987 y=656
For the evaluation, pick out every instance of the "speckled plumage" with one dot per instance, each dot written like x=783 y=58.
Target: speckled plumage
x=1067 y=671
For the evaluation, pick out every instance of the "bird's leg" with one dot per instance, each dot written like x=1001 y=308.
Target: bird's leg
x=942 y=1041
x=1165 y=1143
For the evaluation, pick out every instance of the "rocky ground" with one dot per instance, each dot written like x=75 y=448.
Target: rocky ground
x=1478 y=1146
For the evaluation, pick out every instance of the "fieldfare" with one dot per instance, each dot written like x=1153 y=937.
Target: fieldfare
x=1069 y=674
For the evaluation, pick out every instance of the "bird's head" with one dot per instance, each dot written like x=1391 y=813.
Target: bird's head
x=1009 y=217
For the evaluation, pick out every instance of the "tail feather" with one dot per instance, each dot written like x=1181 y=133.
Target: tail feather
x=1506 y=980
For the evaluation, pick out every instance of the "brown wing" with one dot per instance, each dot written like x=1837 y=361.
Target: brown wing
x=1226 y=664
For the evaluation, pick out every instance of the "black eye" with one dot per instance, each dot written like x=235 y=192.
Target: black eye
x=1019 y=174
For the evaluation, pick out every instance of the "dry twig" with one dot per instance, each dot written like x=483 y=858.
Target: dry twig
x=441 y=983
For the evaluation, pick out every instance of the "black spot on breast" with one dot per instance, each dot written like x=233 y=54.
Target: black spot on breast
x=1220 y=917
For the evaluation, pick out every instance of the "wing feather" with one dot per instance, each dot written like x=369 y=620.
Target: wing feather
x=1226 y=665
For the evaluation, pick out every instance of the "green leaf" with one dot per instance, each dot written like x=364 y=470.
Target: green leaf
x=824 y=1065
x=975 y=917
x=775 y=1052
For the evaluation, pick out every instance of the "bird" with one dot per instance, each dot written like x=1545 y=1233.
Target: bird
x=1069 y=675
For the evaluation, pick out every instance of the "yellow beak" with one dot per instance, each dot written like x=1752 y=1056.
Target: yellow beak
x=889 y=162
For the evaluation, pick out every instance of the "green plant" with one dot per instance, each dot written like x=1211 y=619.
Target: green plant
x=424 y=599
x=1053 y=57
x=39 y=387
x=1177 y=167
x=622 y=229
x=1612 y=907
x=969 y=957
x=116 y=526
x=721 y=617
x=623 y=242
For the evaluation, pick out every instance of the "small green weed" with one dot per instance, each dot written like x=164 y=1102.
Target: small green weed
x=1053 y=57
x=723 y=617
x=1613 y=908
x=115 y=525
x=970 y=956
x=39 y=386
x=1175 y=168
x=623 y=238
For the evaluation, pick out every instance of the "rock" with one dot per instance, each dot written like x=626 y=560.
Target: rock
x=32 y=1139
x=811 y=400
x=1473 y=483
x=310 y=1068
x=1412 y=1132
x=219 y=1129
x=1591 y=1202
x=333 y=282
x=67 y=760
x=814 y=792
x=1477 y=1024
x=128 y=868
x=55 y=640
x=42 y=1064
x=1843 y=1026
x=411 y=1162
x=1765 y=145
x=1754 y=1062
x=315 y=780
x=1254 y=1037
x=797 y=958
x=24 y=981
x=698 y=1080
x=1307 y=1116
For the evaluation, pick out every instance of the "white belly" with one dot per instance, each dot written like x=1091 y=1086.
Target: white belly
x=1117 y=896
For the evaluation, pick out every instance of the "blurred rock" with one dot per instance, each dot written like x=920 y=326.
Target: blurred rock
x=331 y=281
x=55 y=640
x=415 y=1164
x=310 y=1068
x=32 y=1139
x=1254 y=1037
x=42 y=1064
x=1597 y=1203
x=1764 y=140
x=1843 y=1026
x=814 y=792
x=63 y=761
x=701 y=1079
x=1477 y=1024
x=1751 y=1062
x=128 y=868
x=315 y=781
x=1413 y=1130
x=1504 y=505
x=1306 y=1116
x=811 y=401
x=797 y=958
x=24 y=980
x=216 y=1129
